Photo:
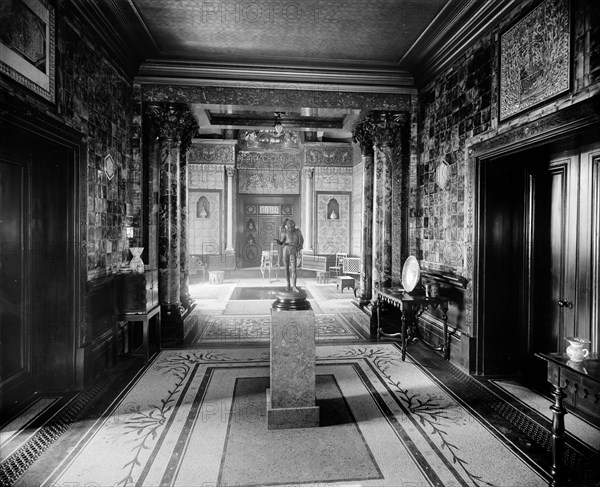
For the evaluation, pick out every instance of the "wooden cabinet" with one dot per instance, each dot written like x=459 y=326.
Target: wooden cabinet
x=136 y=293
x=136 y=300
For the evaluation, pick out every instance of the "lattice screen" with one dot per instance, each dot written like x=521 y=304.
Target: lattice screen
x=351 y=265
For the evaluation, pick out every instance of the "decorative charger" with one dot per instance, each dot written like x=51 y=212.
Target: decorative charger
x=411 y=273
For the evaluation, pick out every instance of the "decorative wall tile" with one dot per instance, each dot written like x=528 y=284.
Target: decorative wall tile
x=333 y=178
x=333 y=235
x=206 y=176
x=204 y=232
x=357 y=210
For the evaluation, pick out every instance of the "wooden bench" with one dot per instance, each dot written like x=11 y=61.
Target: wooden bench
x=317 y=263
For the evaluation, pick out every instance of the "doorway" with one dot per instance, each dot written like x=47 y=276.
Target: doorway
x=259 y=224
x=534 y=237
x=38 y=250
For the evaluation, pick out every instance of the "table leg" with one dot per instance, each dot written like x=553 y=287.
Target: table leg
x=404 y=337
x=378 y=316
x=558 y=434
x=146 y=338
x=446 y=336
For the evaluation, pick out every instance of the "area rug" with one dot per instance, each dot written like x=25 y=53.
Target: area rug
x=325 y=292
x=240 y=329
x=575 y=425
x=197 y=418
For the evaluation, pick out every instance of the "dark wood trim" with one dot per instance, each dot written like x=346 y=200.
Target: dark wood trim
x=117 y=27
x=459 y=25
x=550 y=128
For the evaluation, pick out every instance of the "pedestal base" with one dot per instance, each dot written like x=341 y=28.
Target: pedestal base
x=287 y=418
x=291 y=399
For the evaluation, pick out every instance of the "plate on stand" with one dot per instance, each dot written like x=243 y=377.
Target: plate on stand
x=411 y=274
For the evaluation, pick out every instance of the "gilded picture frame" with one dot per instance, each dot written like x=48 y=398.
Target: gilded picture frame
x=27 y=45
x=535 y=58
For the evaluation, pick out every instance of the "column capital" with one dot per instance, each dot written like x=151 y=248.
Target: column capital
x=309 y=172
x=174 y=122
x=383 y=128
x=230 y=171
x=361 y=134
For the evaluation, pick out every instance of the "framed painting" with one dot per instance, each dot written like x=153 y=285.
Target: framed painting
x=535 y=58
x=27 y=45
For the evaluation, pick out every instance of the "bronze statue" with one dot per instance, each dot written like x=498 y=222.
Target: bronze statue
x=292 y=241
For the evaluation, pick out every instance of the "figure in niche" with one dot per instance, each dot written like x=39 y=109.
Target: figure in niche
x=202 y=208
x=292 y=242
x=333 y=210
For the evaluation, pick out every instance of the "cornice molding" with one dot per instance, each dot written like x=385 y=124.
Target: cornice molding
x=118 y=29
x=160 y=71
x=214 y=141
x=457 y=27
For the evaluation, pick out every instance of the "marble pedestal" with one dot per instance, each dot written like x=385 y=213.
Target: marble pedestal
x=291 y=399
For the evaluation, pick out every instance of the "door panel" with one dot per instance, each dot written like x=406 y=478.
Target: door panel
x=268 y=230
x=14 y=325
x=554 y=250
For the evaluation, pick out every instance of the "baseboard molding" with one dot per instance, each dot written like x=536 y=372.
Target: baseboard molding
x=93 y=358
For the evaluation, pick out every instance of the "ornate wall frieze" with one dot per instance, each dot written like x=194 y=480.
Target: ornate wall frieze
x=211 y=154
x=259 y=181
x=268 y=160
x=270 y=95
x=328 y=156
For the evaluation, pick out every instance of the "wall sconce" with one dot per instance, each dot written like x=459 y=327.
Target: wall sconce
x=129 y=232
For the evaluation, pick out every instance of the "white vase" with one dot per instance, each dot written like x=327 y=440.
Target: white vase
x=136 y=264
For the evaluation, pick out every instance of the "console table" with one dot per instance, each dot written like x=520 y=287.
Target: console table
x=579 y=383
x=144 y=318
x=411 y=306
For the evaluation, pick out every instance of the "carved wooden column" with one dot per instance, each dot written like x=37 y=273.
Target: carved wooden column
x=230 y=172
x=308 y=207
x=173 y=123
x=362 y=136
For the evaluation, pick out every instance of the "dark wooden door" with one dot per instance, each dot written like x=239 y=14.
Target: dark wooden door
x=15 y=332
x=38 y=250
x=554 y=190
